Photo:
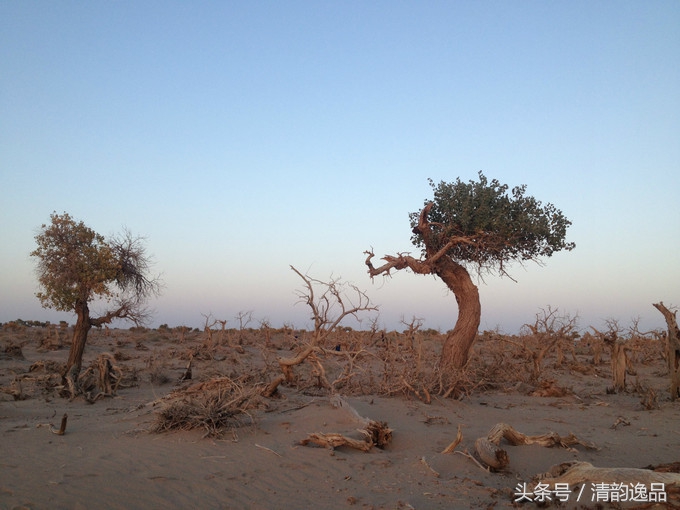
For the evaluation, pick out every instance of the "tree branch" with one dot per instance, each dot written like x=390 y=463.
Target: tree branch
x=419 y=266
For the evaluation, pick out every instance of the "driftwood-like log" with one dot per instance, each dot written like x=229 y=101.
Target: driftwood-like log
x=489 y=451
x=491 y=454
x=504 y=431
x=376 y=433
x=334 y=440
x=579 y=472
x=271 y=388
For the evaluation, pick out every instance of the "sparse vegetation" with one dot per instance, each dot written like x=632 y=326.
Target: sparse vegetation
x=349 y=361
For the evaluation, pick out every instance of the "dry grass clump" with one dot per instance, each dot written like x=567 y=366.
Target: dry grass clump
x=216 y=405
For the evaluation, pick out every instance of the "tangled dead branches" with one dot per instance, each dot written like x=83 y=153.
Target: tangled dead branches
x=215 y=405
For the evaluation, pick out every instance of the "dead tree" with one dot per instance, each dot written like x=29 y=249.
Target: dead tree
x=243 y=318
x=336 y=302
x=549 y=330
x=619 y=357
x=672 y=347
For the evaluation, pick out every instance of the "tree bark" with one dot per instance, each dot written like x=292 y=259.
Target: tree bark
x=673 y=346
x=619 y=364
x=80 y=331
x=458 y=343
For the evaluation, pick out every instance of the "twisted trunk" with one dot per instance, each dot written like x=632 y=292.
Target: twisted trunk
x=437 y=261
x=458 y=343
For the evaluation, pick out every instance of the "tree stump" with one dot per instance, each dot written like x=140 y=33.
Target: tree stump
x=672 y=347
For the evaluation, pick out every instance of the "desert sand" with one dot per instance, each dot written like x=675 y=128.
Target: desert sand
x=111 y=454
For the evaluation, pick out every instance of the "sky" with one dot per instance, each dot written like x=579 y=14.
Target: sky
x=240 y=138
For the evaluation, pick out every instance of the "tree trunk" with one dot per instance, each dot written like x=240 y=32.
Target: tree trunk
x=459 y=342
x=619 y=363
x=673 y=347
x=80 y=331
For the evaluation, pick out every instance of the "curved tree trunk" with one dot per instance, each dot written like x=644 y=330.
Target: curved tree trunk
x=458 y=343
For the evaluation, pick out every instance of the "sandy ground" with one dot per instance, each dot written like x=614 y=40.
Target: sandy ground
x=108 y=458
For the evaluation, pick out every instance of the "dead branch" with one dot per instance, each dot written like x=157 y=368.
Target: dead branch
x=62 y=427
x=376 y=433
x=489 y=451
x=215 y=405
x=456 y=442
x=272 y=387
x=336 y=302
x=504 y=431
x=491 y=454
x=578 y=472
x=334 y=440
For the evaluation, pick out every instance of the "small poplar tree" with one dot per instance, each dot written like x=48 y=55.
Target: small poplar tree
x=77 y=266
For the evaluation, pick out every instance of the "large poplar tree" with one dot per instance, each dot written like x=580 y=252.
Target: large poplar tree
x=476 y=226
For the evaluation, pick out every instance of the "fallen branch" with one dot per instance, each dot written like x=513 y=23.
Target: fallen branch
x=489 y=451
x=62 y=427
x=333 y=441
x=268 y=449
x=471 y=457
x=273 y=386
x=456 y=442
x=376 y=433
x=515 y=438
x=491 y=454
x=574 y=473
x=423 y=461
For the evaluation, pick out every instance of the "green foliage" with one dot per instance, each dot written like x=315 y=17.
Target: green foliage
x=74 y=264
x=494 y=226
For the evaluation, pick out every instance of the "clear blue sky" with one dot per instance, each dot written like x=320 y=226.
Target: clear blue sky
x=243 y=137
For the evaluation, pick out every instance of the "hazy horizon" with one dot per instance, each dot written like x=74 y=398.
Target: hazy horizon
x=242 y=138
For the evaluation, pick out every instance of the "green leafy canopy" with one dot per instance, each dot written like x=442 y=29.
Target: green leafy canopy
x=494 y=226
x=74 y=264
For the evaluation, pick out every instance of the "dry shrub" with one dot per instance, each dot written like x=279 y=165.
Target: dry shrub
x=157 y=375
x=101 y=379
x=650 y=400
x=216 y=405
x=12 y=351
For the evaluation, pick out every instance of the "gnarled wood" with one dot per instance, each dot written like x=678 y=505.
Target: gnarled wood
x=491 y=454
x=672 y=347
x=489 y=451
x=578 y=472
x=334 y=440
x=504 y=431
x=458 y=343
